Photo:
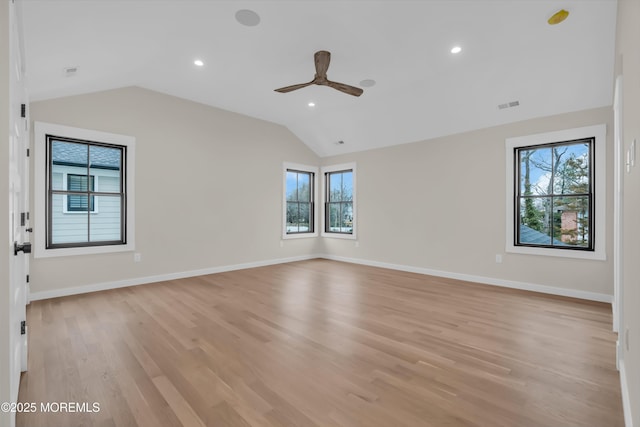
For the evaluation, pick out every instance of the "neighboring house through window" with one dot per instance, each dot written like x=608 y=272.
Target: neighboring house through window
x=83 y=191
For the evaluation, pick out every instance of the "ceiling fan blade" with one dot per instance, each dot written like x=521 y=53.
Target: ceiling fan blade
x=351 y=90
x=293 y=87
x=322 y=59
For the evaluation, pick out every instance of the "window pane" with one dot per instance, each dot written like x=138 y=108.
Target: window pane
x=335 y=187
x=67 y=157
x=571 y=174
x=346 y=225
x=67 y=227
x=106 y=163
x=535 y=171
x=334 y=217
x=304 y=218
x=571 y=220
x=347 y=186
x=535 y=220
x=303 y=187
x=292 y=217
x=105 y=225
x=292 y=186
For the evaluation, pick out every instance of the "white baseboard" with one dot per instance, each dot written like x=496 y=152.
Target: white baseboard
x=592 y=296
x=626 y=401
x=159 y=278
x=573 y=293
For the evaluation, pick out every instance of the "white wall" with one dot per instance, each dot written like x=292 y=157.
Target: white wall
x=208 y=187
x=440 y=205
x=437 y=205
x=628 y=64
x=4 y=211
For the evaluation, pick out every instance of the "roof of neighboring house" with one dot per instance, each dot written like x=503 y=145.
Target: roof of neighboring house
x=74 y=154
x=529 y=235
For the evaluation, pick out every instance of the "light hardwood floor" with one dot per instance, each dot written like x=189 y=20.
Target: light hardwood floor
x=322 y=343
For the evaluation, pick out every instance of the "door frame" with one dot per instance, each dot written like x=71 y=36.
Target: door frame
x=18 y=203
x=620 y=164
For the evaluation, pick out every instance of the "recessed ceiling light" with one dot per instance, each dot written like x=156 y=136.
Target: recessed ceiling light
x=367 y=83
x=456 y=49
x=198 y=62
x=311 y=104
x=247 y=17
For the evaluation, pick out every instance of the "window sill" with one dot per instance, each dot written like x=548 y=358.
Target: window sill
x=339 y=236
x=560 y=253
x=299 y=236
x=87 y=250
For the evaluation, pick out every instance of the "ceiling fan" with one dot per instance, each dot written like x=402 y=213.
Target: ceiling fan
x=322 y=59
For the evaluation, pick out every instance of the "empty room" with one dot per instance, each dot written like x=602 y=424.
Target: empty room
x=320 y=213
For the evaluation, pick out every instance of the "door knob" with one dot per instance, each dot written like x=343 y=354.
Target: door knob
x=25 y=247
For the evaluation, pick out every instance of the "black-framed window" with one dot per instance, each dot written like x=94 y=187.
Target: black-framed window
x=299 y=195
x=78 y=183
x=339 y=202
x=95 y=175
x=554 y=195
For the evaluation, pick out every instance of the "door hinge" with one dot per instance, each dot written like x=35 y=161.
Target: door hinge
x=23 y=110
x=23 y=327
x=27 y=278
x=28 y=152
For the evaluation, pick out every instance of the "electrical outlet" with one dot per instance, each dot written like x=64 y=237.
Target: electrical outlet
x=498 y=259
x=281 y=243
x=357 y=244
x=137 y=257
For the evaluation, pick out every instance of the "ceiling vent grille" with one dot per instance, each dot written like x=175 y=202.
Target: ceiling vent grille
x=508 y=105
x=70 y=71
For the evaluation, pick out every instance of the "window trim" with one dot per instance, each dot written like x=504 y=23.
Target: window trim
x=287 y=166
x=41 y=132
x=338 y=168
x=598 y=132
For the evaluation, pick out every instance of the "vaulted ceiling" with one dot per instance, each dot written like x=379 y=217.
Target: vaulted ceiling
x=422 y=90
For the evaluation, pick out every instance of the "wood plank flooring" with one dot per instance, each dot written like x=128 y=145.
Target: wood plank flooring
x=321 y=343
